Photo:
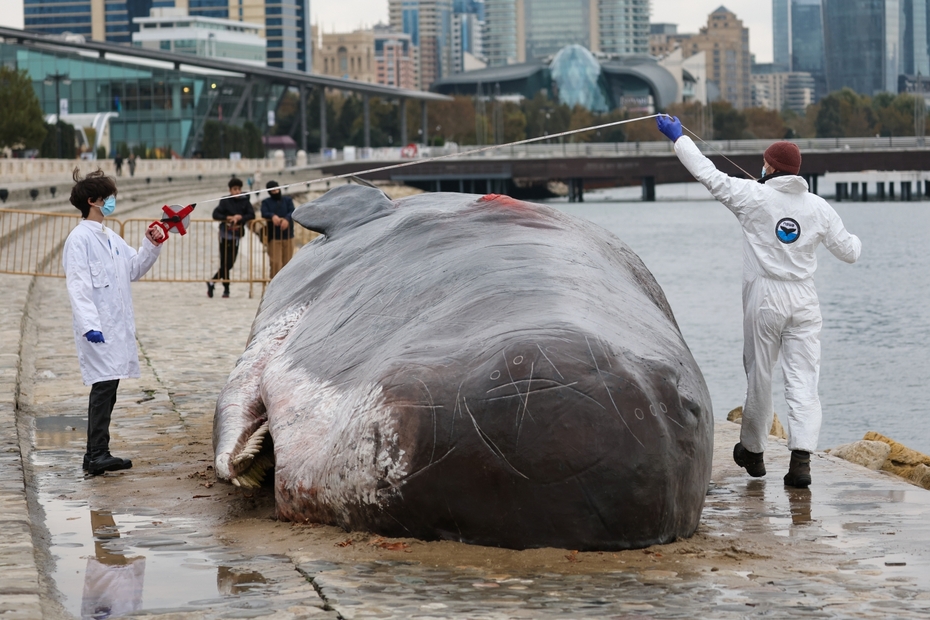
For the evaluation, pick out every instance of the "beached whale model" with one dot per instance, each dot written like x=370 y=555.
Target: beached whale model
x=450 y=366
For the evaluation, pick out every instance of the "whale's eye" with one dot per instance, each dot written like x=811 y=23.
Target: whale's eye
x=495 y=375
x=518 y=360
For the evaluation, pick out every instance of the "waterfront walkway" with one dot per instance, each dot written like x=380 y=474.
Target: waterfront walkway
x=172 y=541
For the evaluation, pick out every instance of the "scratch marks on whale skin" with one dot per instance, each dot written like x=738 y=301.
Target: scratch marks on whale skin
x=610 y=396
x=550 y=362
x=432 y=408
x=489 y=443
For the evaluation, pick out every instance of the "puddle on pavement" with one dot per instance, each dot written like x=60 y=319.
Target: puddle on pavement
x=109 y=564
x=60 y=431
x=113 y=563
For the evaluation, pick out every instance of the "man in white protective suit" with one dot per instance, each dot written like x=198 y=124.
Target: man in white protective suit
x=783 y=223
x=99 y=266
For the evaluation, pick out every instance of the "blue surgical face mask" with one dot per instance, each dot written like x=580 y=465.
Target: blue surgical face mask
x=109 y=206
x=763 y=173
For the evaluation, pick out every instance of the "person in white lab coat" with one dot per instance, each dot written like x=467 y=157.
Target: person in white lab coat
x=99 y=266
x=783 y=224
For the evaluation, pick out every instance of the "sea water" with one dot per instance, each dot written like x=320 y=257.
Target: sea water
x=876 y=313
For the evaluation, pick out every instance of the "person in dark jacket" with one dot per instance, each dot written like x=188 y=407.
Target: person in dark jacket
x=234 y=213
x=277 y=209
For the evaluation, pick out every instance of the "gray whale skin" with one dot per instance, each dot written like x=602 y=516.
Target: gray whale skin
x=479 y=369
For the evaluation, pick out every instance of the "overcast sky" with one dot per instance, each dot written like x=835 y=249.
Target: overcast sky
x=346 y=15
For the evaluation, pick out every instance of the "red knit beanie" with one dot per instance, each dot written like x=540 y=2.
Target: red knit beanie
x=784 y=157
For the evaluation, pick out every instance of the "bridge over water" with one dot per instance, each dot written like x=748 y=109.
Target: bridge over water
x=527 y=170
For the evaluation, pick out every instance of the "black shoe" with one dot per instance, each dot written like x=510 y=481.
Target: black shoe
x=106 y=462
x=799 y=470
x=86 y=461
x=752 y=461
x=226 y=293
x=210 y=287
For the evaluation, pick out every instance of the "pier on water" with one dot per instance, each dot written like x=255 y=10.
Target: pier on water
x=880 y=186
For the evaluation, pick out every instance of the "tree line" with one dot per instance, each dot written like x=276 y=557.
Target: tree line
x=841 y=114
x=467 y=121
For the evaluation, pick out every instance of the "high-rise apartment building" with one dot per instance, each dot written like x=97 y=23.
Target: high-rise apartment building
x=285 y=24
x=726 y=44
x=521 y=30
x=861 y=40
x=394 y=60
x=503 y=32
x=622 y=27
x=429 y=24
x=783 y=90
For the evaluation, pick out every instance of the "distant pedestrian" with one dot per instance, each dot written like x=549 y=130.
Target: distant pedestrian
x=234 y=213
x=99 y=266
x=118 y=162
x=278 y=209
x=783 y=225
x=132 y=165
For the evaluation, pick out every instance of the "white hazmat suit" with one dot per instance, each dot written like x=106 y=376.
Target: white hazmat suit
x=783 y=223
x=99 y=266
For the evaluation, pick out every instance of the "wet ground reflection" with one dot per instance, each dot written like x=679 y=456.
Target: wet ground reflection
x=109 y=563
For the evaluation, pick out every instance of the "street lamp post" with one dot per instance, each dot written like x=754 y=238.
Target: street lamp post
x=58 y=78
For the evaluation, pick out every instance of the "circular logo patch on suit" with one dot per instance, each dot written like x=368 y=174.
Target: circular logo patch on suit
x=787 y=230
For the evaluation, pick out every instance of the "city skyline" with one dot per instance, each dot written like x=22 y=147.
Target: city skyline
x=690 y=15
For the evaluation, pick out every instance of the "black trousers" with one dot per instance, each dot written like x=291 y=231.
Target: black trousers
x=99 y=410
x=229 y=251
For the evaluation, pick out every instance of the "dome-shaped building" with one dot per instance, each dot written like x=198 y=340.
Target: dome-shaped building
x=575 y=76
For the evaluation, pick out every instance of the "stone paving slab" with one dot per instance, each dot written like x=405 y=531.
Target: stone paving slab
x=19 y=576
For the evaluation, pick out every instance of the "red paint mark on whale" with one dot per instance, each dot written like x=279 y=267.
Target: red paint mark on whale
x=504 y=201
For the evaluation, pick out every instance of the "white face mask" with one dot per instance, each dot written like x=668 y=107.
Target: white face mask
x=763 y=173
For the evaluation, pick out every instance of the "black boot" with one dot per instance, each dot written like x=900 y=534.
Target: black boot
x=86 y=460
x=104 y=461
x=752 y=461
x=225 y=290
x=799 y=470
x=210 y=287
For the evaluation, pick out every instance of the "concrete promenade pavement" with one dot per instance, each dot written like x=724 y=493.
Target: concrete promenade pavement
x=857 y=544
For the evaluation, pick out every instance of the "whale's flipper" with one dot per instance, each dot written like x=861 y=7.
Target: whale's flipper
x=343 y=208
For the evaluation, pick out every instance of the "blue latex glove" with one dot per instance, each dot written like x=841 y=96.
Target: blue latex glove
x=670 y=126
x=94 y=336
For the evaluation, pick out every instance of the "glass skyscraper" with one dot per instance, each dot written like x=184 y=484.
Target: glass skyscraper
x=915 y=58
x=781 y=35
x=861 y=39
x=553 y=24
x=797 y=40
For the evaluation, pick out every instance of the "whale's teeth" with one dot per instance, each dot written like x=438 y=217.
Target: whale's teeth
x=252 y=446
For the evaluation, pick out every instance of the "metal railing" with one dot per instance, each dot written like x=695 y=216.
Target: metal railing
x=629 y=149
x=31 y=244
